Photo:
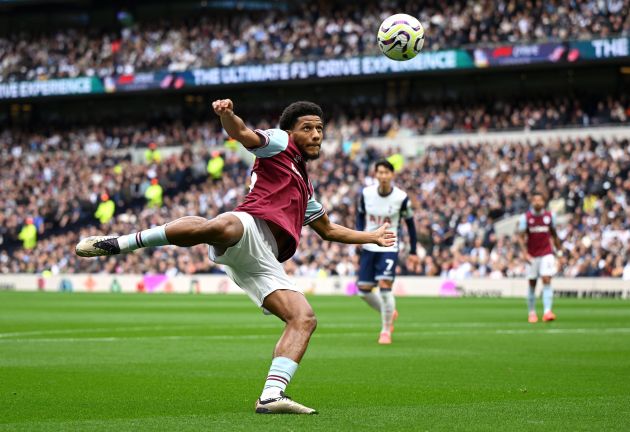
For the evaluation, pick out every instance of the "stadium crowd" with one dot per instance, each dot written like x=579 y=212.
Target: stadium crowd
x=458 y=192
x=347 y=123
x=324 y=30
x=499 y=114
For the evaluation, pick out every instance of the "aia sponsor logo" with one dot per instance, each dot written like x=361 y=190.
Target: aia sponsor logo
x=379 y=220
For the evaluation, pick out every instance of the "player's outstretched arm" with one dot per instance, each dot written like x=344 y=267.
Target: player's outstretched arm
x=234 y=125
x=337 y=233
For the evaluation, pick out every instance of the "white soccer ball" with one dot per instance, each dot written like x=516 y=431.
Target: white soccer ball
x=400 y=37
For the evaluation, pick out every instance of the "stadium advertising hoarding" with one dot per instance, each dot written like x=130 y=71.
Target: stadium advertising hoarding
x=53 y=87
x=498 y=56
x=288 y=71
x=331 y=68
x=503 y=55
x=550 y=52
x=147 y=81
x=603 y=48
x=506 y=55
x=221 y=284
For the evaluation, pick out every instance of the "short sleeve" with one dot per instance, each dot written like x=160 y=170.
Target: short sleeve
x=406 y=211
x=314 y=210
x=274 y=142
x=522 y=223
x=361 y=206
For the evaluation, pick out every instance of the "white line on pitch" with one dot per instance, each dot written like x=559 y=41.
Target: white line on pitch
x=257 y=325
x=88 y=330
x=324 y=335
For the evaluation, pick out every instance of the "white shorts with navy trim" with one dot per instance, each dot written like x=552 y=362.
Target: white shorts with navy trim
x=251 y=263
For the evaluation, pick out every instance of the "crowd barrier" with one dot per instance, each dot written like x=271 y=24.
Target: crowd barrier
x=221 y=284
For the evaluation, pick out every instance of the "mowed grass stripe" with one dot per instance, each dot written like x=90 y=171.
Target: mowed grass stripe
x=172 y=362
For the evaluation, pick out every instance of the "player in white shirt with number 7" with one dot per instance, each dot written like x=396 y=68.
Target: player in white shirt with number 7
x=378 y=204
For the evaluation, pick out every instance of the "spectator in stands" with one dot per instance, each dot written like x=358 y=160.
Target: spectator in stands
x=332 y=30
x=28 y=234
x=460 y=189
x=105 y=210
x=152 y=154
x=215 y=166
x=154 y=194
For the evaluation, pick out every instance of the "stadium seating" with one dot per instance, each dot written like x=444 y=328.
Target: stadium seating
x=343 y=123
x=461 y=190
x=56 y=175
x=330 y=30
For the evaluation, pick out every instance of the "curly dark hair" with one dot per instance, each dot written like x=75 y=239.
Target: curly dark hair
x=296 y=110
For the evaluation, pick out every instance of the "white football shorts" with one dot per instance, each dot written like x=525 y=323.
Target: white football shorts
x=252 y=263
x=541 y=266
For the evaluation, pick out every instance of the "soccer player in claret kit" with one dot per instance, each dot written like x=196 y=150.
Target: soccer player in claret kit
x=261 y=233
x=378 y=204
x=537 y=228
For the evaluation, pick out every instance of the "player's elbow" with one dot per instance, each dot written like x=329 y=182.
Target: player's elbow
x=329 y=233
x=326 y=234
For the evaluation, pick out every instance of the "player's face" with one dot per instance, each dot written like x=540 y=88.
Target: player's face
x=384 y=176
x=307 y=135
x=538 y=202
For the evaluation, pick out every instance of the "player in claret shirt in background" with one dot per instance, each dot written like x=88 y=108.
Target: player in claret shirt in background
x=261 y=233
x=537 y=228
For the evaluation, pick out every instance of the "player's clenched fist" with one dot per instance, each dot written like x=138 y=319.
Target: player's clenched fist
x=223 y=107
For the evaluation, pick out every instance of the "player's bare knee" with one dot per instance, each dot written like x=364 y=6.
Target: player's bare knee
x=305 y=321
x=385 y=285
x=309 y=323
x=546 y=280
x=224 y=231
x=365 y=289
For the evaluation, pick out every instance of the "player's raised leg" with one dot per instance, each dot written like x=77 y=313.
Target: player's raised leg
x=222 y=232
x=293 y=308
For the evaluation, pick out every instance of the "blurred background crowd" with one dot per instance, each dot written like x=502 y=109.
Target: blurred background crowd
x=345 y=124
x=458 y=191
x=317 y=30
x=82 y=165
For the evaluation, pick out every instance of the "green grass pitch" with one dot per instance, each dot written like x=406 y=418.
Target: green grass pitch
x=174 y=362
